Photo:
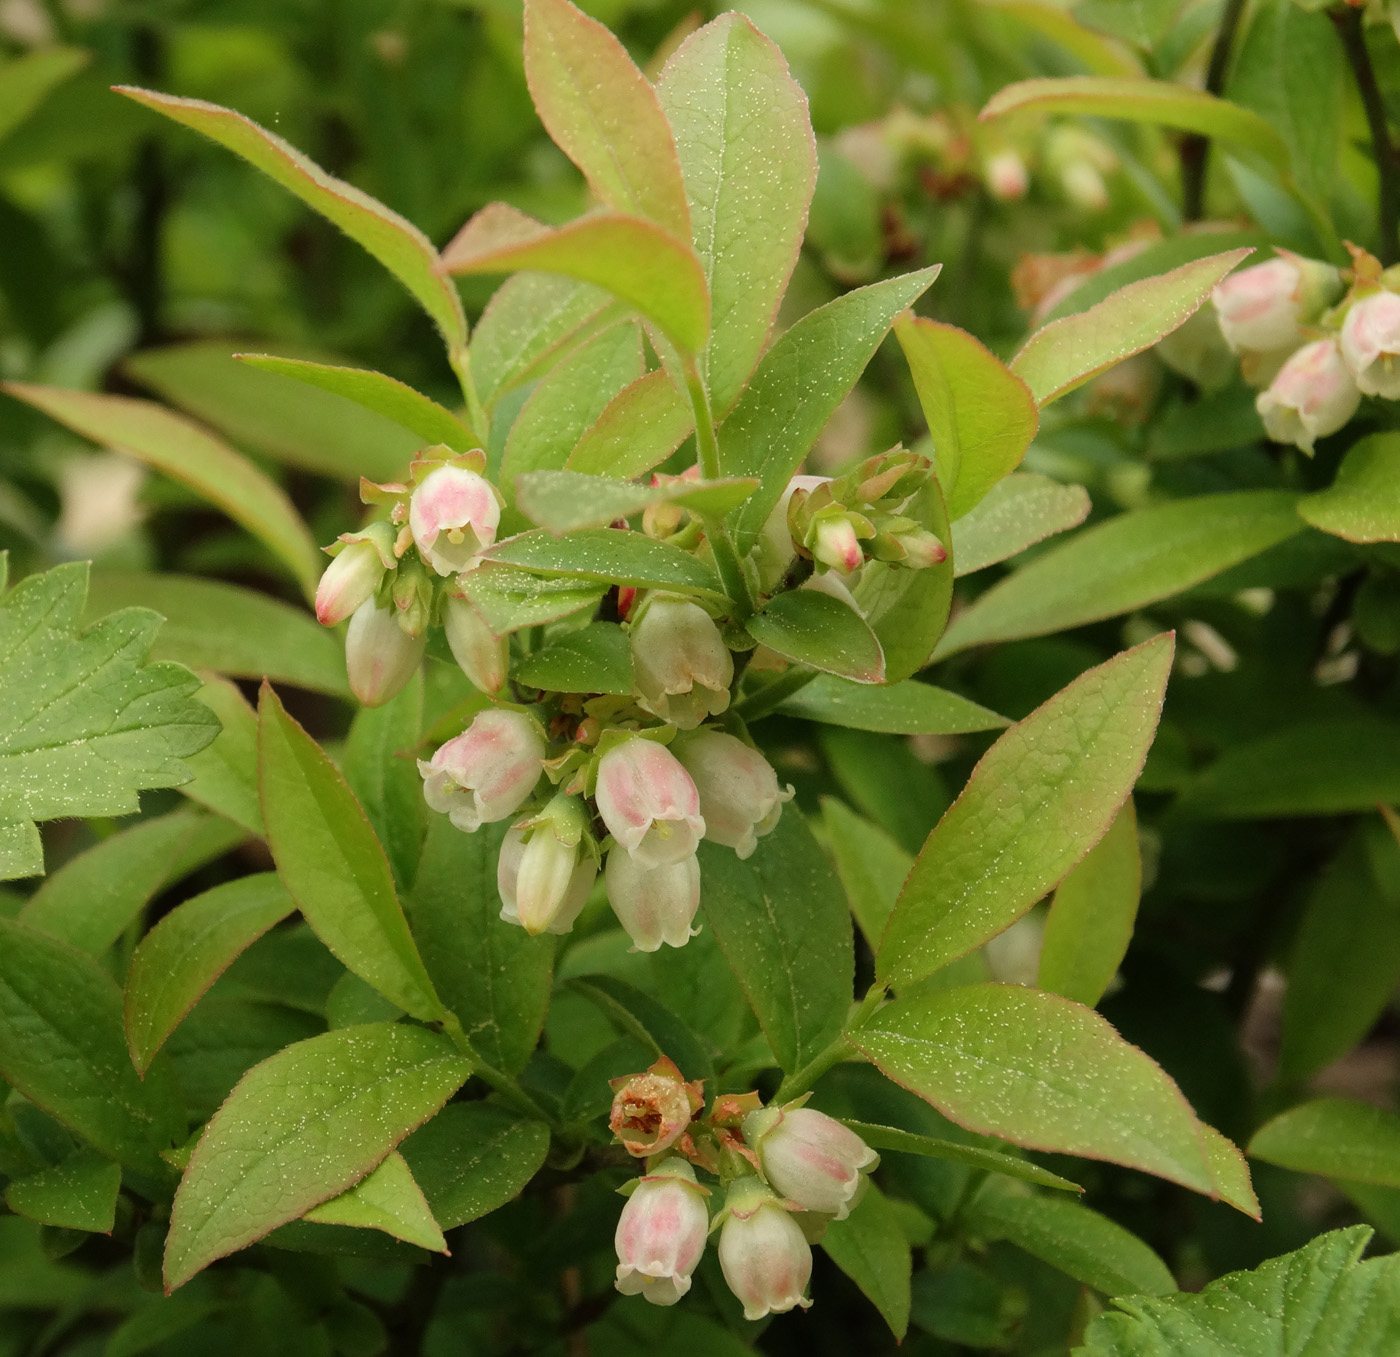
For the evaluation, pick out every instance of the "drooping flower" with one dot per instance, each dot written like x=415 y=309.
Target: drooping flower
x=349 y=581
x=810 y=1158
x=654 y=904
x=486 y=772
x=649 y=803
x=483 y=656
x=1261 y=308
x=453 y=515
x=661 y=1233
x=683 y=668
x=543 y=872
x=1371 y=344
x=763 y=1253
x=739 y=794
x=1313 y=395
x=380 y=657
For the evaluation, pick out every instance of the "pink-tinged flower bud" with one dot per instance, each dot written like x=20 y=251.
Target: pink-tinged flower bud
x=649 y=803
x=809 y=1157
x=835 y=544
x=1313 y=395
x=651 y=1111
x=454 y=514
x=1006 y=176
x=483 y=656
x=350 y=580
x=1371 y=344
x=380 y=657
x=661 y=1233
x=486 y=772
x=683 y=668
x=739 y=794
x=1258 y=307
x=543 y=873
x=774 y=552
x=763 y=1254
x=654 y=904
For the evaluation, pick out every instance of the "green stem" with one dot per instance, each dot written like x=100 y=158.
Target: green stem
x=507 y=1087
x=774 y=693
x=834 y=1054
x=477 y=417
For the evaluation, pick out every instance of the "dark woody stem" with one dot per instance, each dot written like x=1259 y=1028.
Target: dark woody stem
x=1350 y=28
x=1195 y=149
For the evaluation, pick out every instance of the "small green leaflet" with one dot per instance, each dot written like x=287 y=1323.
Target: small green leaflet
x=596 y=659
x=1336 y=1138
x=78 y=1194
x=907 y=708
x=389 y=1200
x=1016 y=513
x=25 y=82
x=609 y=555
x=1363 y=503
x=811 y=627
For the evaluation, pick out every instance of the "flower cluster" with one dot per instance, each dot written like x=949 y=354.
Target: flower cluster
x=786 y=1171
x=1315 y=360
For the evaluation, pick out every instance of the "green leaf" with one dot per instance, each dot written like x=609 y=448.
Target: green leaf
x=78 y=1194
x=597 y=659
x=21 y=851
x=1363 y=503
x=602 y=112
x=569 y=399
x=152 y=1325
x=905 y=708
x=225 y=774
x=333 y=866
x=1015 y=514
x=1344 y=963
x=564 y=501
x=870 y=1247
x=637 y=1015
x=1094 y=53
x=194 y=457
x=974 y=1156
x=61 y=1046
x=388 y=1200
x=474 y=1157
x=1336 y=1138
x=1039 y=1071
x=85 y=725
x=380 y=766
x=92 y=899
x=981 y=416
x=493 y=975
x=210 y=625
x=25 y=81
x=1091 y=917
x=182 y=956
x=300 y=1128
x=747 y=152
x=639 y=429
x=1317 y=1302
x=375 y=392
x=810 y=627
x=1144 y=23
x=871 y=864
x=1148 y=101
x=781 y=920
x=610 y=556
x=1037 y=802
x=396 y=243
x=1089 y=1247
x=509 y=600
x=303 y=426
x=1065 y=354
x=634 y=259
x=1126 y=563
x=801 y=380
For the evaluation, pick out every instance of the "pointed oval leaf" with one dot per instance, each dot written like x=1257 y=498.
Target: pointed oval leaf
x=182 y=956
x=1039 y=1071
x=595 y=659
x=564 y=501
x=871 y=1248
x=749 y=159
x=225 y=775
x=509 y=599
x=300 y=1128
x=1040 y=798
x=1066 y=353
x=974 y=1156
x=871 y=864
x=388 y=1200
x=639 y=429
x=1334 y=1137
x=810 y=627
x=333 y=866
x=609 y=555
x=78 y=1194
x=194 y=457
x=399 y=245
x=1015 y=514
x=1363 y=503
x=906 y=708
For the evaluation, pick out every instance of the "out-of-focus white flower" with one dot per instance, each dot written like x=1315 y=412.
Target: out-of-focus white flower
x=99 y=498
x=1313 y=395
x=1371 y=344
x=1006 y=176
x=485 y=773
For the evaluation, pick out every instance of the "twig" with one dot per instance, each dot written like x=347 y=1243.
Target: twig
x=1195 y=148
x=1349 y=25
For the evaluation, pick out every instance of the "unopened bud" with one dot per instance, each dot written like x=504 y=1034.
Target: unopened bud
x=1006 y=176
x=661 y=1233
x=832 y=540
x=809 y=1157
x=651 y=1111
x=654 y=904
x=738 y=789
x=774 y=551
x=483 y=656
x=485 y=773
x=380 y=657
x=349 y=581
x=543 y=873
x=412 y=596
x=454 y=514
x=683 y=668
x=1371 y=344
x=1313 y=395
x=1261 y=308
x=649 y=803
x=763 y=1253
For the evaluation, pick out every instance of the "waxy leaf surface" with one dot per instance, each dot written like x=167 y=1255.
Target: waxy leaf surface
x=1015 y=514
x=388 y=1200
x=639 y=429
x=1334 y=1137
x=906 y=708
x=1363 y=503
x=810 y=627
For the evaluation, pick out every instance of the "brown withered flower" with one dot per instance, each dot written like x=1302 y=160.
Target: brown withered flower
x=651 y=1111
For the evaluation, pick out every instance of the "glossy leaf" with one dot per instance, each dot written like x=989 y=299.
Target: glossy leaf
x=782 y=923
x=374 y=391
x=597 y=659
x=1126 y=563
x=803 y=377
x=78 y=1194
x=1066 y=353
x=1334 y=1137
x=1363 y=503
x=493 y=975
x=1039 y=1071
x=188 y=949
x=388 y=1200
x=810 y=627
x=61 y=1046
x=1015 y=514
x=647 y=1021
x=474 y=1157
x=973 y=1156
x=1091 y=917
x=210 y=625
x=635 y=260
x=300 y=1128
x=870 y=1247
x=225 y=774
x=603 y=114
x=25 y=81
x=609 y=556
x=333 y=866
x=639 y=429
x=749 y=160
x=981 y=416
x=509 y=599
x=906 y=708
x=871 y=864
x=194 y=457
x=563 y=501
x=1036 y=803
x=399 y=245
